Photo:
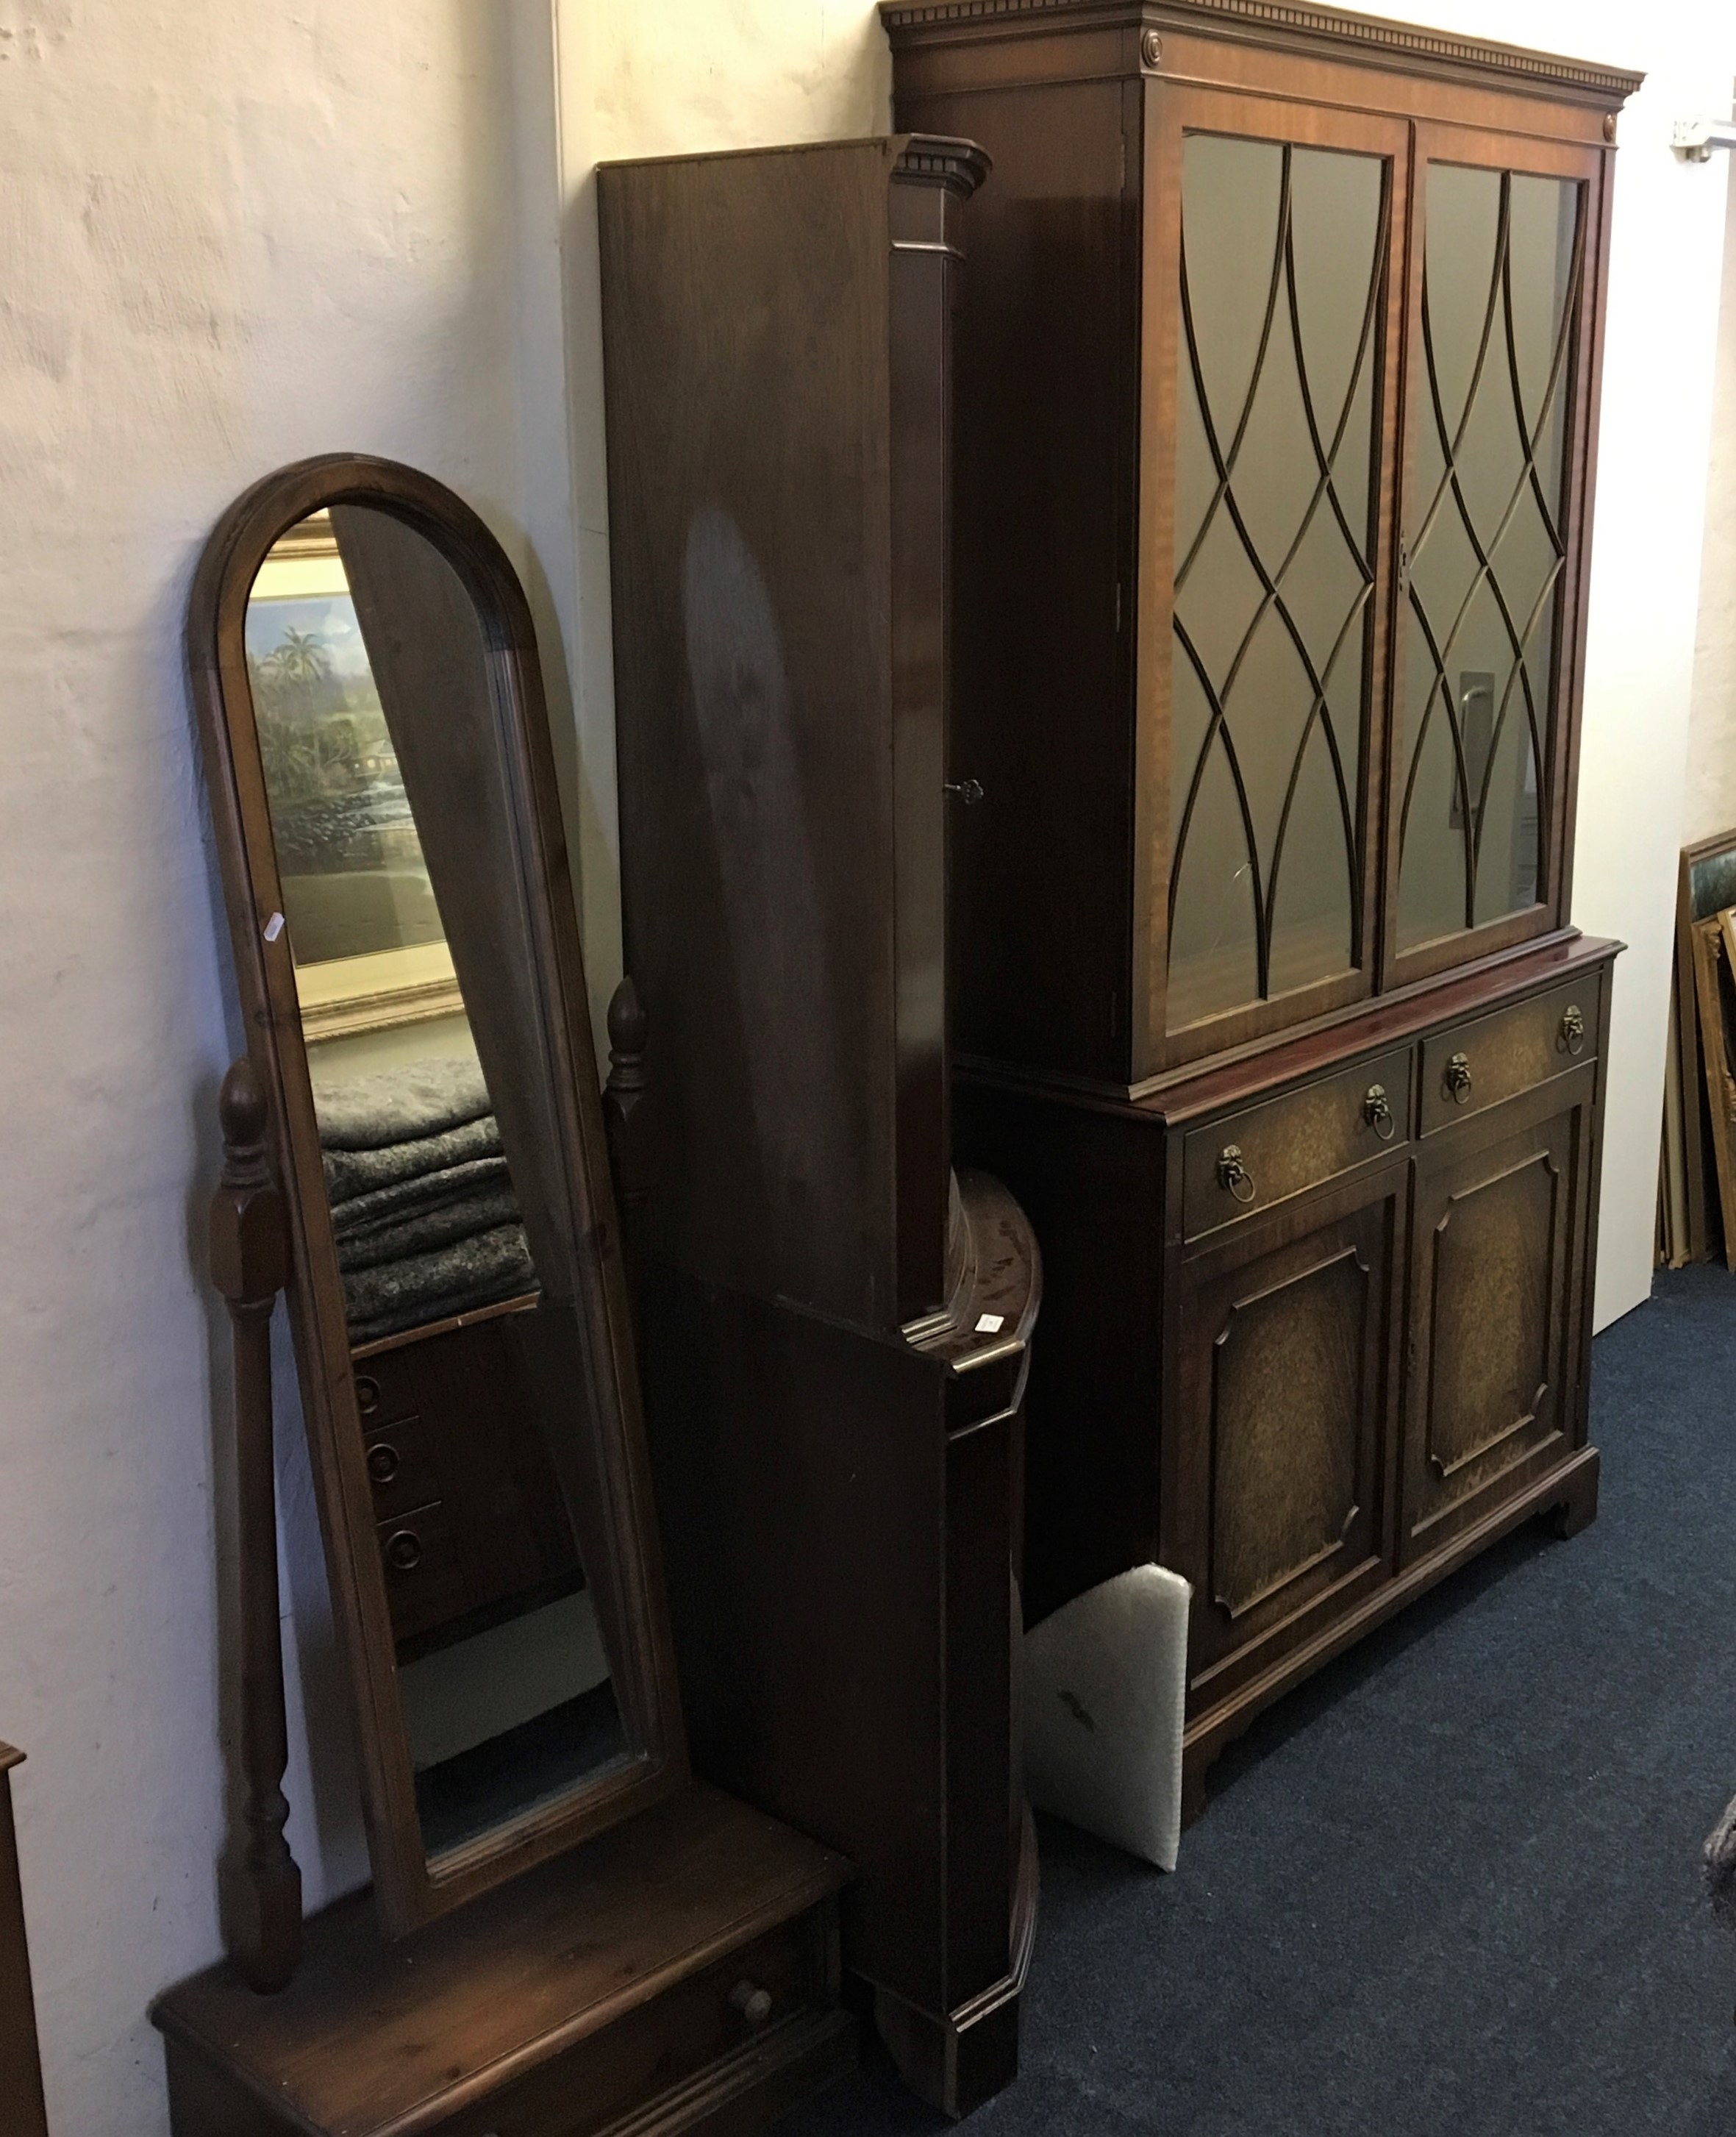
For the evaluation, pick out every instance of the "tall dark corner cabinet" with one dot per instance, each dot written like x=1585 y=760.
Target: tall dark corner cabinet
x=835 y=1328
x=1278 y=366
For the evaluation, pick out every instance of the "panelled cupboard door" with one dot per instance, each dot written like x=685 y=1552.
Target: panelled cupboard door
x=1498 y=1233
x=1273 y=310
x=1504 y=306
x=1286 y=1376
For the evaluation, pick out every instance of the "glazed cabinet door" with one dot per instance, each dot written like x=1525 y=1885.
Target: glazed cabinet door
x=1499 y=1280
x=1272 y=308
x=1284 y=1376
x=1504 y=303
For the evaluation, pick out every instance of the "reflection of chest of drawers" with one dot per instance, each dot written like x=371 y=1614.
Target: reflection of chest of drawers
x=1316 y=1324
x=472 y=1525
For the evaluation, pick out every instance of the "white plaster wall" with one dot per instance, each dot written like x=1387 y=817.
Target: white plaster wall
x=1711 y=807
x=229 y=235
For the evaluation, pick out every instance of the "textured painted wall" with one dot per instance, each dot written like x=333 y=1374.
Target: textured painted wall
x=1711 y=804
x=229 y=236
x=678 y=76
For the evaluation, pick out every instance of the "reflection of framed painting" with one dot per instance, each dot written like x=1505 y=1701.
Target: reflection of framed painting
x=365 y=931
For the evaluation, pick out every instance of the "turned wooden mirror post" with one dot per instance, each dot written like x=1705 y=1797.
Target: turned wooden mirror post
x=248 y=1267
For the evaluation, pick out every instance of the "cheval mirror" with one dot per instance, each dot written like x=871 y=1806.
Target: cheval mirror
x=407 y=956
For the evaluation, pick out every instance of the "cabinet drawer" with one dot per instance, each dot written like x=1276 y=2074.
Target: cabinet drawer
x=759 y=1993
x=1478 y=1064
x=1247 y=1161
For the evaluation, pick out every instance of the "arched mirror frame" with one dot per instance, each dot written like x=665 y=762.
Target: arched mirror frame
x=409 y=1889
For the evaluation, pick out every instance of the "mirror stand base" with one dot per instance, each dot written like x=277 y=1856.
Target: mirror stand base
x=678 y=1973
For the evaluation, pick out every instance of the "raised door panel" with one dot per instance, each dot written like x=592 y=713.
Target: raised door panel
x=1286 y=1373
x=1497 y=1278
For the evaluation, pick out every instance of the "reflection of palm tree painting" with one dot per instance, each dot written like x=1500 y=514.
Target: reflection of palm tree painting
x=354 y=879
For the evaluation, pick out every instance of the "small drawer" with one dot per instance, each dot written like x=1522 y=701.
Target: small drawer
x=1478 y=1064
x=401 y=1475
x=426 y=1584
x=1247 y=1161
x=767 y=1992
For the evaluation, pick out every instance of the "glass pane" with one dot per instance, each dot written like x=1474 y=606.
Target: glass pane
x=1283 y=250
x=361 y=645
x=1311 y=921
x=1501 y=276
x=1212 y=959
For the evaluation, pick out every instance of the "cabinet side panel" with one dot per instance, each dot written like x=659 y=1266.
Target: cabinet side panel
x=745 y=310
x=1042 y=709
x=799 y=1470
x=1091 y=1185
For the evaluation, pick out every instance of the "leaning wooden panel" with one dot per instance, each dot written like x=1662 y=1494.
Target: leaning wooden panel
x=1705 y=884
x=750 y=569
x=1713 y=987
x=836 y=1329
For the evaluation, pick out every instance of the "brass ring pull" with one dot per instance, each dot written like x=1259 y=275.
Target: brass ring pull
x=1573 y=1028
x=1233 y=1175
x=1457 y=1079
x=1378 y=1111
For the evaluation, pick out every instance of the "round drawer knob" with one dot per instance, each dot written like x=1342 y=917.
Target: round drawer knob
x=404 y=1551
x=1573 y=1028
x=368 y=1394
x=384 y=1462
x=1377 y=1110
x=1233 y=1176
x=1457 y=1079
x=753 y=2002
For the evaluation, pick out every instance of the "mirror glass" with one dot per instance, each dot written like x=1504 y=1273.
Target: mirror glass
x=409 y=924
x=1488 y=543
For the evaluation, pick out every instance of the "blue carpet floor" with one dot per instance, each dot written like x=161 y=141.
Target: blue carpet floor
x=1450 y=1888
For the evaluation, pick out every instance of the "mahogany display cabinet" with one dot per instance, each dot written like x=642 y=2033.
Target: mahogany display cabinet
x=1277 y=367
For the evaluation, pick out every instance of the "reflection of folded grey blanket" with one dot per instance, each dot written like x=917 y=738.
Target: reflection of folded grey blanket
x=427 y=1190
x=422 y=1206
x=402 y=1105
x=461 y=1217
x=351 y=1172
x=456 y=1278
